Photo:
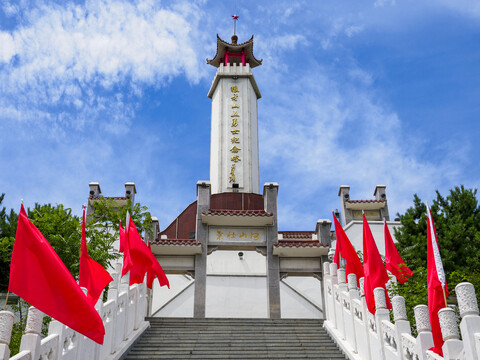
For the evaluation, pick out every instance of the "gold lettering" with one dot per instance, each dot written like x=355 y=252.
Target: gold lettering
x=254 y=236
x=235 y=140
x=232 y=174
x=235 y=113
x=234 y=97
x=231 y=235
x=235 y=149
x=235 y=158
x=243 y=235
x=219 y=235
x=234 y=89
x=235 y=132
x=235 y=106
x=235 y=122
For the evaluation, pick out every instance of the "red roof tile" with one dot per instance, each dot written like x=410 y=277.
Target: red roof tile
x=225 y=212
x=365 y=201
x=184 y=242
x=297 y=234
x=109 y=197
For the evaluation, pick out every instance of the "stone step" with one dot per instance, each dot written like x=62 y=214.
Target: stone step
x=187 y=338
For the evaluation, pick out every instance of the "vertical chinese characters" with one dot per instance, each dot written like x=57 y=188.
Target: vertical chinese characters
x=235 y=139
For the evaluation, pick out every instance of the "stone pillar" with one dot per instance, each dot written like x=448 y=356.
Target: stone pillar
x=203 y=204
x=270 y=193
x=380 y=194
x=130 y=191
x=424 y=330
x=344 y=194
x=93 y=191
x=452 y=347
x=470 y=324
x=32 y=337
x=155 y=228
x=323 y=231
x=6 y=327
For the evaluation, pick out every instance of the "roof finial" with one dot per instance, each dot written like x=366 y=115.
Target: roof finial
x=235 y=18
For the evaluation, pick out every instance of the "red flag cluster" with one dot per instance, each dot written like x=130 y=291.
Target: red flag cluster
x=375 y=273
x=39 y=277
x=138 y=258
x=373 y=270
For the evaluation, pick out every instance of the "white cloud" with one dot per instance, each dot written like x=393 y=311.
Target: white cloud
x=339 y=134
x=64 y=51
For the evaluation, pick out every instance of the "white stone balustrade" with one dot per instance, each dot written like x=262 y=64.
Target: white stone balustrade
x=363 y=336
x=123 y=316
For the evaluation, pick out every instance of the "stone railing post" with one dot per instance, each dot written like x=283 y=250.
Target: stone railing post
x=452 y=346
x=342 y=286
x=402 y=325
x=326 y=275
x=114 y=285
x=470 y=324
x=352 y=286
x=381 y=313
x=32 y=337
x=6 y=326
x=424 y=340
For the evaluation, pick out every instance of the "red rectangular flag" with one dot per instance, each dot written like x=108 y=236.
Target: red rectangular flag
x=345 y=249
x=39 y=277
x=393 y=261
x=375 y=272
x=437 y=285
x=92 y=275
x=138 y=259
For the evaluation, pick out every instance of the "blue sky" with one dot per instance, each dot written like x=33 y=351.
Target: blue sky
x=353 y=92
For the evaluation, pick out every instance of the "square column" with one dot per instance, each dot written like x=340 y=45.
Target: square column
x=203 y=204
x=270 y=193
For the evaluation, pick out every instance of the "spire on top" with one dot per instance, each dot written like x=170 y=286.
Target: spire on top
x=235 y=18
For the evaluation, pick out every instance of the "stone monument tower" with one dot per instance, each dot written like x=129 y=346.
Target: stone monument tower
x=234 y=136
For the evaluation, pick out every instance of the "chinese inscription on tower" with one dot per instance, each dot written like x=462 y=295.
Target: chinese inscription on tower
x=235 y=139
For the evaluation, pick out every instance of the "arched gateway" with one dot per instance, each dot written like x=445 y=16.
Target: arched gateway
x=224 y=253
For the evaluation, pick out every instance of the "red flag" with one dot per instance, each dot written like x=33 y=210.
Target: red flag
x=393 y=261
x=156 y=271
x=375 y=272
x=138 y=259
x=122 y=238
x=437 y=285
x=345 y=250
x=92 y=275
x=39 y=277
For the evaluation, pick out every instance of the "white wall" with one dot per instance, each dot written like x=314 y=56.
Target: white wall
x=237 y=297
x=182 y=305
x=224 y=262
x=294 y=307
x=354 y=231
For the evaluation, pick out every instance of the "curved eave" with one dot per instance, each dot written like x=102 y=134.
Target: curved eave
x=222 y=46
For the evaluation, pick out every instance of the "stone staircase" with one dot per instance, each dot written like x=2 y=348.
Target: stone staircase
x=210 y=338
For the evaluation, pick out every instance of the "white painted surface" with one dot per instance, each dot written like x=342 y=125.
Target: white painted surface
x=224 y=262
x=247 y=169
x=294 y=306
x=181 y=306
x=236 y=297
x=354 y=231
x=308 y=286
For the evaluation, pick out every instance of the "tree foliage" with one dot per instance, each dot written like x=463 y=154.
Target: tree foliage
x=457 y=222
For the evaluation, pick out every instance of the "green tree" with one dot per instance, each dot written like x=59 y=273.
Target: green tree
x=457 y=222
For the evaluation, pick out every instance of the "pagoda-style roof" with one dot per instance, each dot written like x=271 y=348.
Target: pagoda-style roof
x=234 y=53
